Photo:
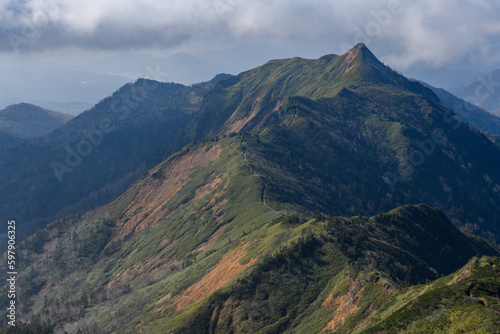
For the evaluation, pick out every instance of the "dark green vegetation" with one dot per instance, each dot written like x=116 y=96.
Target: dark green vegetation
x=269 y=219
x=33 y=328
x=6 y=139
x=358 y=262
x=129 y=133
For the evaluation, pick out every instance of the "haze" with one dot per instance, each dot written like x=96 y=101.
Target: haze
x=67 y=55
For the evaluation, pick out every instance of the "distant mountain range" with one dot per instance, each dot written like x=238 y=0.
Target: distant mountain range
x=75 y=88
x=483 y=92
x=331 y=195
x=25 y=121
x=468 y=112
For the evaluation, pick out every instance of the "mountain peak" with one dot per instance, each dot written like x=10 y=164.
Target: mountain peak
x=361 y=55
x=360 y=47
x=361 y=50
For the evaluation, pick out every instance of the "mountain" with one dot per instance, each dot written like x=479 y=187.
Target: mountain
x=349 y=136
x=465 y=301
x=483 y=92
x=71 y=108
x=469 y=113
x=25 y=120
x=296 y=197
x=74 y=88
x=94 y=157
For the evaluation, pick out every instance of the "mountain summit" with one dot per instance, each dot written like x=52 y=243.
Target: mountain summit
x=352 y=136
x=251 y=94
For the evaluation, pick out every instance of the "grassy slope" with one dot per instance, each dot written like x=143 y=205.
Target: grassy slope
x=333 y=274
x=80 y=267
x=78 y=273
x=464 y=302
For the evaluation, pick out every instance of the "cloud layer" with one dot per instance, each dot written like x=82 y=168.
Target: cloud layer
x=412 y=32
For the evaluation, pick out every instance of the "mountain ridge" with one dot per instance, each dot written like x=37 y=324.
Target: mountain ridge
x=474 y=115
x=398 y=118
x=276 y=79
x=483 y=91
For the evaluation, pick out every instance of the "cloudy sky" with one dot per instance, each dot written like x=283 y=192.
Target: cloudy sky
x=403 y=33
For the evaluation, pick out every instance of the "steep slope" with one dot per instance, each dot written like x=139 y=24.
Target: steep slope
x=166 y=256
x=464 y=302
x=483 y=92
x=495 y=139
x=166 y=232
x=469 y=113
x=95 y=156
x=25 y=120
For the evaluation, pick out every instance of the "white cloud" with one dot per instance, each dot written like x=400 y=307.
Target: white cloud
x=424 y=31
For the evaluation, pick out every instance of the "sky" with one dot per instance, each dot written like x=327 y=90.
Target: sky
x=238 y=34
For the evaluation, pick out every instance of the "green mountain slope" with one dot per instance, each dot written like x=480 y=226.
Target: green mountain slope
x=352 y=136
x=94 y=157
x=165 y=255
x=242 y=101
x=464 y=302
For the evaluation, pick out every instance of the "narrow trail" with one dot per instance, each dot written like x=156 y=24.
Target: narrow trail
x=264 y=187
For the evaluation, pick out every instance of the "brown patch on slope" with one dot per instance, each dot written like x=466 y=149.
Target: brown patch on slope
x=207 y=188
x=226 y=270
x=217 y=210
x=344 y=306
x=211 y=241
x=239 y=124
x=153 y=267
x=164 y=299
x=146 y=209
x=464 y=273
x=349 y=59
